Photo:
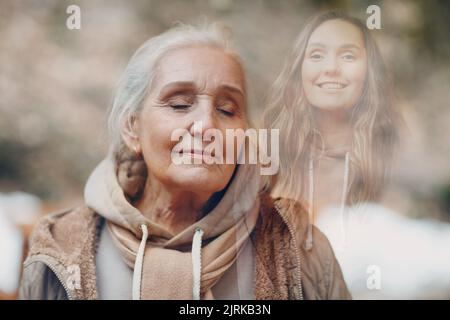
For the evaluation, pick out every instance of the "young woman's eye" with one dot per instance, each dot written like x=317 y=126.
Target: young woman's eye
x=349 y=57
x=316 y=56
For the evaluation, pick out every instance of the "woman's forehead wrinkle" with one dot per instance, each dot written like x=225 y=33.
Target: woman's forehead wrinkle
x=203 y=85
x=209 y=84
x=208 y=78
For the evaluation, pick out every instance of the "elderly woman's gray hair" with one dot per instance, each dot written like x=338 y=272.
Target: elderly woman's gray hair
x=136 y=80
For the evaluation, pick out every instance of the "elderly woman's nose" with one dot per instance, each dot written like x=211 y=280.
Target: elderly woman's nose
x=205 y=114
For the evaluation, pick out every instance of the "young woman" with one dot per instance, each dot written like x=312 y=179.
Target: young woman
x=332 y=105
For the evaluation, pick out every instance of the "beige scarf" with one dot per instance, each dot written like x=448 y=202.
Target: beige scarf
x=163 y=266
x=168 y=273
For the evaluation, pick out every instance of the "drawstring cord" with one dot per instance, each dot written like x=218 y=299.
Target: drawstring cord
x=311 y=204
x=311 y=211
x=196 y=263
x=343 y=199
x=137 y=275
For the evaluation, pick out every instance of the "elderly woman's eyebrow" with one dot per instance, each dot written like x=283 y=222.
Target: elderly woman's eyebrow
x=190 y=87
x=177 y=87
x=234 y=93
x=233 y=90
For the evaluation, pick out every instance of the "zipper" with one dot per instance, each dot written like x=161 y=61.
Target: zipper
x=54 y=270
x=297 y=252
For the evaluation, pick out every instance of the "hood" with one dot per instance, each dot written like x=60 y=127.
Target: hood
x=104 y=195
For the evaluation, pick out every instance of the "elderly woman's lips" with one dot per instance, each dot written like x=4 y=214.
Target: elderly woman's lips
x=196 y=153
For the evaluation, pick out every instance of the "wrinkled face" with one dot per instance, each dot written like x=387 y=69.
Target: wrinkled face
x=335 y=65
x=196 y=83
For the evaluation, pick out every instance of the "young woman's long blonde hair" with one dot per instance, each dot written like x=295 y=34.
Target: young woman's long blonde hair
x=374 y=122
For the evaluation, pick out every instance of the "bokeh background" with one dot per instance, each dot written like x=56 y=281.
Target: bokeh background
x=56 y=85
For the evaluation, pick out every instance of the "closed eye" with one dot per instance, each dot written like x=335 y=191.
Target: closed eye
x=180 y=106
x=226 y=112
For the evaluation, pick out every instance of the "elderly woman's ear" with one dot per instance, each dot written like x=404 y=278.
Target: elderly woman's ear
x=131 y=169
x=129 y=131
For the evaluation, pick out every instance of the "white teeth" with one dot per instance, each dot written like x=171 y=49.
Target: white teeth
x=331 y=85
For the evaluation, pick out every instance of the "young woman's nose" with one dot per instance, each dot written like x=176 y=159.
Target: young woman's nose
x=331 y=66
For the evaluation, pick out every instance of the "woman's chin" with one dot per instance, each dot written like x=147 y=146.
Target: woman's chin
x=332 y=106
x=201 y=178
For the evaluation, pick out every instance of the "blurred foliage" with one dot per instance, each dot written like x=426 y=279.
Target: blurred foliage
x=57 y=83
x=444 y=199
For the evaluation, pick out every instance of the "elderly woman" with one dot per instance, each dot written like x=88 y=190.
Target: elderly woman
x=151 y=228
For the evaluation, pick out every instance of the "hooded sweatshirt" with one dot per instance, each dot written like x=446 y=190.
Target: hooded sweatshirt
x=162 y=267
x=64 y=260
